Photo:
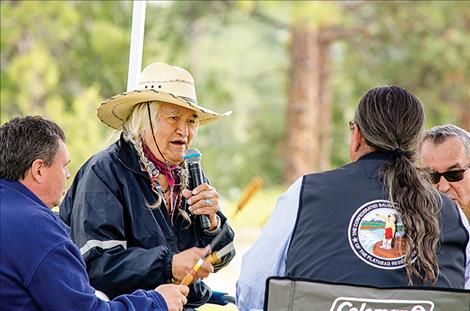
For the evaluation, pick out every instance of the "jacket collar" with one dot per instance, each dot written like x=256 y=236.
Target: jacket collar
x=372 y=161
x=19 y=187
x=376 y=155
x=127 y=155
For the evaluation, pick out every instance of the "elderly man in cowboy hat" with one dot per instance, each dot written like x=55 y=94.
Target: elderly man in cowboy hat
x=128 y=207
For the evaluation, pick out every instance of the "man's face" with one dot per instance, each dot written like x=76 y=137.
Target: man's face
x=174 y=129
x=446 y=156
x=56 y=176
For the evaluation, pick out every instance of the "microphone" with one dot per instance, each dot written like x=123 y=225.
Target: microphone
x=193 y=158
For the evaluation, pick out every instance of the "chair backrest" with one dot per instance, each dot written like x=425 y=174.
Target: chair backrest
x=295 y=294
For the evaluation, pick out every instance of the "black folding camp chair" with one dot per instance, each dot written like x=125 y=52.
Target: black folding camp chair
x=296 y=294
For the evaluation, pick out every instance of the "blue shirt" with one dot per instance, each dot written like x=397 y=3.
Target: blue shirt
x=272 y=247
x=40 y=267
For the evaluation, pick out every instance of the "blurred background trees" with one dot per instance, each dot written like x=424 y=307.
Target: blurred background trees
x=292 y=72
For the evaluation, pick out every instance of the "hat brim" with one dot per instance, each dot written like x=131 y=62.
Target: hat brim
x=115 y=110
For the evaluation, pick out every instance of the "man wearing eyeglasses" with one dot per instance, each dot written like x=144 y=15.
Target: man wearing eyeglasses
x=446 y=153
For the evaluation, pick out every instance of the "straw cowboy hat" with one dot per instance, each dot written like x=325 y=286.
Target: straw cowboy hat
x=157 y=82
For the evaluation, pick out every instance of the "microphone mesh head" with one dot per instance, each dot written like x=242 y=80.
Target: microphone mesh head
x=192 y=155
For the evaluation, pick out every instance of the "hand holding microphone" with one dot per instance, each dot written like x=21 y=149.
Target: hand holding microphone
x=202 y=198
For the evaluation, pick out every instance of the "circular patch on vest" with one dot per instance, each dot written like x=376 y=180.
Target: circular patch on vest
x=376 y=235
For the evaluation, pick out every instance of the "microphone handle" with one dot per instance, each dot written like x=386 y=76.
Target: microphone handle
x=205 y=222
x=197 y=179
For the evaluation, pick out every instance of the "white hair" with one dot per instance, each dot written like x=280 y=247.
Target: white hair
x=439 y=134
x=132 y=131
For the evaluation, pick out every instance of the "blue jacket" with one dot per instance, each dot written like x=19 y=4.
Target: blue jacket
x=40 y=267
x=125 y=244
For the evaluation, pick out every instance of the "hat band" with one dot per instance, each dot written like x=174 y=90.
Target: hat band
x=188 y=99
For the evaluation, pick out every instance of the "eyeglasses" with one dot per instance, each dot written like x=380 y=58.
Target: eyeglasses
x=450 y=176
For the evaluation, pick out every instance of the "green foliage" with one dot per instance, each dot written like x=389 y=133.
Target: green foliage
x=419 y=46
x=308 y=14
x=315 y=14
x=239 y=64
x=256 y=96
x=57 y=58
x=61 y=59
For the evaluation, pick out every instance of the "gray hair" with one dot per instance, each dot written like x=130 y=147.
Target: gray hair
x=440 y=133
x=390 y=119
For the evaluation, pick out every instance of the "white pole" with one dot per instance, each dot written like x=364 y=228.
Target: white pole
x=137 y=43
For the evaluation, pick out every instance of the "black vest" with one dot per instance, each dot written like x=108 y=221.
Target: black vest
x=346 y=231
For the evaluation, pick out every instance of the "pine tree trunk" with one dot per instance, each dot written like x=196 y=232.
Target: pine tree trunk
x=302 y=143
x=308 y=140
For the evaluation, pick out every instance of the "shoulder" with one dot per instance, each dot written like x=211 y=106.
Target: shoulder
x=448 y=206
x=29 y=231
x=451 y=215
x=103 y=173
x=291 y=195
x=22 y=210
x=287 y=204
x=103 y=158
x=330 y=175
x=446 y=201
x=43 y=227
x=103 y=165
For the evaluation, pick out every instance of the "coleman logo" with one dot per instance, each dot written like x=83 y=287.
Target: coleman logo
x=376 y=235
x=364 y=304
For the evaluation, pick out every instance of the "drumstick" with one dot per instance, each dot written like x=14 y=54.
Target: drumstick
x=213 y=258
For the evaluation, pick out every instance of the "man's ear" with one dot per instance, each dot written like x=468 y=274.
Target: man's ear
x=37 y=170
x=357 y=139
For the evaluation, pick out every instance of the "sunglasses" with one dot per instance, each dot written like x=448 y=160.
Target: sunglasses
x=450 y=176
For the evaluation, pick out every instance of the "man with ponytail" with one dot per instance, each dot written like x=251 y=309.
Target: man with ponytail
x=128 y=207
x=326 y=228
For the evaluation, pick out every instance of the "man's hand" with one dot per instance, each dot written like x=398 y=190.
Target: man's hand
x=174 y=295
x=183 y=263
x=203 y=200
